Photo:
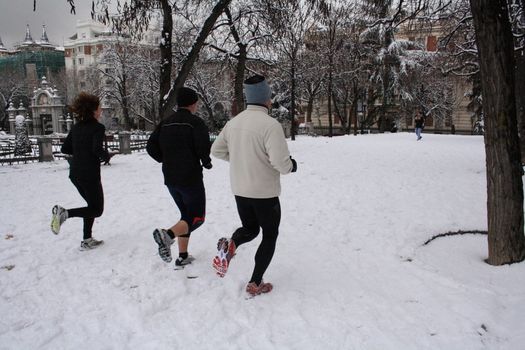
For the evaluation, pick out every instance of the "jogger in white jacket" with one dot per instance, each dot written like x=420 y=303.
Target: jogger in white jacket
x=254 y=144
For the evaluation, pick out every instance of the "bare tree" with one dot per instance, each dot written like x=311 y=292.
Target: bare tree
x=352 y=72
x=137 y=14
x=333 y=23
x=147 y=84
x=310 y=80
x=459 y=54
x=119 y=63
x=291 y=20
x=12 y=88
x=210 y=80
x=247 y=33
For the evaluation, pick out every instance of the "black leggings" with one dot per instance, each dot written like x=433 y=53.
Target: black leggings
x=93 y=194
x=258 y=213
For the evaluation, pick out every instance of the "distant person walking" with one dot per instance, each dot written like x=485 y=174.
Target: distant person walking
x=181 y=143
x=254 y=144
x=420 y=123
x=85 y=142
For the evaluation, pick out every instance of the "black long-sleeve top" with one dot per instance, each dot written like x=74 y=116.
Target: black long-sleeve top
x=85 y=142
x=419 y=122
x=182 y=144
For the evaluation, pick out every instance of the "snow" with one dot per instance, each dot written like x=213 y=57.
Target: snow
x=350 y=270
x=19 y=120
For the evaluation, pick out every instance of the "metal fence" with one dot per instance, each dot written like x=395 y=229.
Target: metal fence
x=7 y=153
x=137 y=143
x=320 y=130
x=7 y=148
x=112 y=142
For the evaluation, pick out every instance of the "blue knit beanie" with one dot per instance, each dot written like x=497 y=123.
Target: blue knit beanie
x=257 y=90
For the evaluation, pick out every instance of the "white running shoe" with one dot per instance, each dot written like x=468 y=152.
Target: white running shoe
x=59 y=215
x=164 y=241
x=89 y=244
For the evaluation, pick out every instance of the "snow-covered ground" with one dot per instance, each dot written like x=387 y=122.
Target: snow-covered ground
x=350 y=270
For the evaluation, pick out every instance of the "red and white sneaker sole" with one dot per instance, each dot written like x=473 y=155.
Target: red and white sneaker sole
x=221 y=261
x=220 y=265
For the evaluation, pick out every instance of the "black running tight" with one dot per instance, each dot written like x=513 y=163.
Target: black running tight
x=255 y=214
x=93 y=194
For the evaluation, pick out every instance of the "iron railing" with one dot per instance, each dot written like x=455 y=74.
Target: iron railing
x=7 y=148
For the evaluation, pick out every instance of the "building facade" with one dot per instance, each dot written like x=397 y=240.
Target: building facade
x=87 y=67
x=33 y=59
x=23 y=67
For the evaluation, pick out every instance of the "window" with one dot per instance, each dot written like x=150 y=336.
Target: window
x=432 y=43
x=82 y=84
x=80 y=49
x=84 y=35
x=80 y=61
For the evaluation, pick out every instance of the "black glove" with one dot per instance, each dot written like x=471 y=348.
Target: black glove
x=207 y=166
x=294 y=165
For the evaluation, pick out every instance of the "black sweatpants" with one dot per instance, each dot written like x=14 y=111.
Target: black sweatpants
x=255 y=214
x=93 y=194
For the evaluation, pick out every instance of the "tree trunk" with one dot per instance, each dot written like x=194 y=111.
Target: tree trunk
x=387 y=65
x=354 y=107
x=340 y=115
x=519 y=41
x=166 y=58
x=292 y=102
x=240 y=67
x=125 y=103
x=239 y=79
x=520 y=98
x=330 y=82
x=192 y=56
x=347 y=121
x=506 y=241
x=209 y=110
x=309 y=109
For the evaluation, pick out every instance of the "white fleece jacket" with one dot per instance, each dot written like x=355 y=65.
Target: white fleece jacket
x=254 y=144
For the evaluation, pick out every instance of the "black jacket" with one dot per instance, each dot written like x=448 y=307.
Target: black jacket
x=419 y=122
x=181 y=143
x=85 y=142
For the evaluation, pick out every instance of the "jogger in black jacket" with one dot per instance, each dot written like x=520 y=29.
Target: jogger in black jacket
x=85 y=142
x=181 y=143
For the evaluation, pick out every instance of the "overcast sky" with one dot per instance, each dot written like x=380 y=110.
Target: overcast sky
x=55 y=14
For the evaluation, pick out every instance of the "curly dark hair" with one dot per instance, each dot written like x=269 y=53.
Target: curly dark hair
x=85 y=106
